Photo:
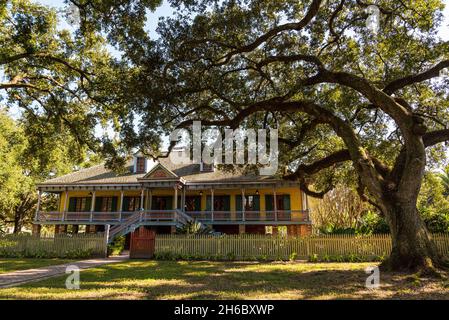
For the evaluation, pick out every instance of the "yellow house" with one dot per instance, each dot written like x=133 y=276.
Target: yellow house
x=163 y=196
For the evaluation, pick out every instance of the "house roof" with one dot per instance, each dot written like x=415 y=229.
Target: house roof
x=98 y=175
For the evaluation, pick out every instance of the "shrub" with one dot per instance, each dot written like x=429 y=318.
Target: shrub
x=117 y=246
x=345 y=258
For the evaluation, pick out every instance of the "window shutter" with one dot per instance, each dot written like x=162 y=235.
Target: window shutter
x=169 y=202
x=238 y=202
x=256 y=203
x=126 y=201
x=208 y=203
x=197 y=203
x=72 y=204
x=269 y=202
x=286 y=202
x=98 y=203
x=88 y=204
x=227 y=203
x=114 y=204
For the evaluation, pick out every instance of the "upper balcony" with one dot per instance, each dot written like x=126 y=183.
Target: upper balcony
x=171 y=217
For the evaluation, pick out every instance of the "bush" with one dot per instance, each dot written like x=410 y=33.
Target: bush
x=117 y=246
x=344 y=258
x=436 y=221
x=42 y=254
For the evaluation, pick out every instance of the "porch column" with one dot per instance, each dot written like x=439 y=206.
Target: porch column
x=122 y=193
x=142 y=195
x=275 y=205
x=212 y=204
x=66 y=204
x=147 y=192
x=39 y=194
x=243 y=204
x=175 y=200
x=150 y=191
x=92 y=206
x=183 y=199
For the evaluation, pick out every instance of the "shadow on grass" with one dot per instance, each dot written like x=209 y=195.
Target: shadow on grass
x=230 y=280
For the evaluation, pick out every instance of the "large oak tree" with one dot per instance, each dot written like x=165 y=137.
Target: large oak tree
x=338 y=91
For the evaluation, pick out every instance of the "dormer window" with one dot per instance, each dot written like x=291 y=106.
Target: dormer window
x=140 y=165
x=205 y=167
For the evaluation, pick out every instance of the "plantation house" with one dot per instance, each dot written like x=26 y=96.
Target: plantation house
x=163 y=196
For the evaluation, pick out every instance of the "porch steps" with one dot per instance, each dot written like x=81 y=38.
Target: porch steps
x=135 y=221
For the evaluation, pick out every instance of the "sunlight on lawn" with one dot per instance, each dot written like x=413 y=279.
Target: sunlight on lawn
x=229 y=280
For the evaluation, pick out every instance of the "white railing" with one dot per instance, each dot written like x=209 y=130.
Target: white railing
x=248 y=216
x=174 y=216
x=105 y=217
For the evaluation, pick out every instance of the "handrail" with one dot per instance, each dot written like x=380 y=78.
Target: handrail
x=175 y=215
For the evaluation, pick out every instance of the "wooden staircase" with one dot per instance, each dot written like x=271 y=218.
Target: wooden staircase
x=137 y=219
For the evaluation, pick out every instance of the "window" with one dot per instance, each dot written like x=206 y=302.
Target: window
x=282 y=202
x=131 y=203
x=207 y=167
x=140 y=165
x=221 y=203
x=79 y=204
x=106 y=204
x=252 y=202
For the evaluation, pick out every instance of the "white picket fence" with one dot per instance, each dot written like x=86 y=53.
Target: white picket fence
x=59 y=245
x=250 y=246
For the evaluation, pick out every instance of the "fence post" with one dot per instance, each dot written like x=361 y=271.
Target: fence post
x=106 y=237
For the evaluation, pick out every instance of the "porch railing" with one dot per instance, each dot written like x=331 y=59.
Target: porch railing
x=248 y=216
x=103 y=217
x=174 y=215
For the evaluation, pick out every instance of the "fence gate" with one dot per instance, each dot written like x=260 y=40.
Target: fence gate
x=142 y=244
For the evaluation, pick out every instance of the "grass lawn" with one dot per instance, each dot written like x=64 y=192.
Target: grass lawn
x=140 y=279
x=10 y=265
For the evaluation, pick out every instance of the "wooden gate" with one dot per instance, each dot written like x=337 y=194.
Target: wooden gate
x=142 y=244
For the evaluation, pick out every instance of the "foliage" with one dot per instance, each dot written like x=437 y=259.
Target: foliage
x=345 y=258
x=117 y=246
x=433 y=203
x=194 y=227
x=341 y=208
x=44 y=254
x=27 y=160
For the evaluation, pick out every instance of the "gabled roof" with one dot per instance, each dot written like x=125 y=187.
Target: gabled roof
x=159 y=172
x=188 y=173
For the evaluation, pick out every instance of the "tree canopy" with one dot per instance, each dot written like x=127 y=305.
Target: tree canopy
x=354 y=88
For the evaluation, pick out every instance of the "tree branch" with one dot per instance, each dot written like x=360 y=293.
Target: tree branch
x=412 y=79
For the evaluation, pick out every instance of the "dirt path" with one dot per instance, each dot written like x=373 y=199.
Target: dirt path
x=12 y=279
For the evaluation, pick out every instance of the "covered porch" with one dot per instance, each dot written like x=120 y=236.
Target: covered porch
x=167 y=203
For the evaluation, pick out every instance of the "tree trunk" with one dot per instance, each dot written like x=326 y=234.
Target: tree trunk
x=413 y=248
x=17 y=223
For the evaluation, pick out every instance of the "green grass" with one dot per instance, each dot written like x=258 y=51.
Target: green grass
x=13 y=264
x=138 y=279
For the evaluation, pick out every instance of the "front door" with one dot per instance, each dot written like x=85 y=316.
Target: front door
x=193 y=203
x=162 y=203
